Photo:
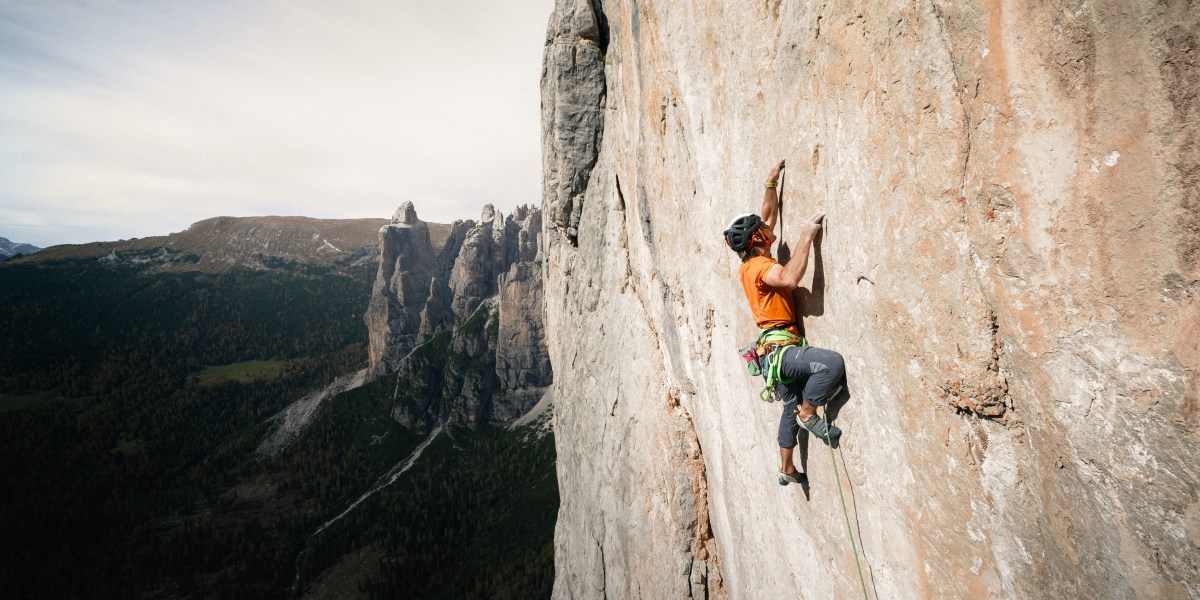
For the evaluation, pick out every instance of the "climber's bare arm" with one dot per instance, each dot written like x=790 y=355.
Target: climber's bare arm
x=789 y=275
x=770 y=205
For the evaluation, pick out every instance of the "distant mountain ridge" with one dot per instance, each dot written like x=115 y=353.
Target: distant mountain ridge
x=9 y=249
x=219 y=243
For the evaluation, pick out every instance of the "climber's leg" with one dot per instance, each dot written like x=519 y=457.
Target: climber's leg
x=793 y=476
x=785 y=455
x=820 y=372
x=788 y=429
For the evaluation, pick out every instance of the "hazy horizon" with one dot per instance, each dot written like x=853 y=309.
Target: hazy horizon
x=125 y=120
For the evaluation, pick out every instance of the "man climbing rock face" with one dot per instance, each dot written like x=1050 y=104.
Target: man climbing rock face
x=802 y=376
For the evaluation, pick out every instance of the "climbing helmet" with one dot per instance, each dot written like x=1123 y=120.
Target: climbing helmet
x=740 y=234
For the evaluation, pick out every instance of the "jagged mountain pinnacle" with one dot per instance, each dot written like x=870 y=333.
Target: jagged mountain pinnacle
x=464 y=323
x=402 y=286
x=1009 y=265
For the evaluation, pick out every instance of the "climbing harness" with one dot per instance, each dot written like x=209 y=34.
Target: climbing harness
x=772 y=343
x=764 y=355
x=845 y=512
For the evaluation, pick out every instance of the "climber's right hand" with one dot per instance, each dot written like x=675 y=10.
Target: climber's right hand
x=774 y=175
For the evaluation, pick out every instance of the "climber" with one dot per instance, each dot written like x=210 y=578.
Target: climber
x=804 y=377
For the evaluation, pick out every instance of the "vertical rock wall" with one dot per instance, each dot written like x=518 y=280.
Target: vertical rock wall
x=1010 y=266
x=572 y=108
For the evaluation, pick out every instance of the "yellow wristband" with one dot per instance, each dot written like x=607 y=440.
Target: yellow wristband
x=772 y=184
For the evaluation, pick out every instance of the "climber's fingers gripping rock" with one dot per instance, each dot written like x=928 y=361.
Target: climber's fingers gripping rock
x=812 y=226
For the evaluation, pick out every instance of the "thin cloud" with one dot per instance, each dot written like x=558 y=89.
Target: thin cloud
x=128 y=119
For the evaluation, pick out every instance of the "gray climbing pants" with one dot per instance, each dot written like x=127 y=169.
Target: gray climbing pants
x=814 y=374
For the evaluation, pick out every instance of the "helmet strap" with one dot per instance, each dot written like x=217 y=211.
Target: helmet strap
x=758 y=238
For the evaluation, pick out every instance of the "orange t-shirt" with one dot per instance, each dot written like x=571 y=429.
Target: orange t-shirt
x=772 y=306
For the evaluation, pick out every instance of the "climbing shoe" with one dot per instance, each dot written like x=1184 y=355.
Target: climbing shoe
x=793 y=477
x=818 y=427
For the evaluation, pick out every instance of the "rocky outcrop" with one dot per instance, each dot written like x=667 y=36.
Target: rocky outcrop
x=523 y=371
x=1009 y=266
x=402 y=286
x=489 y=249
x=572 y=107
x=461 y=327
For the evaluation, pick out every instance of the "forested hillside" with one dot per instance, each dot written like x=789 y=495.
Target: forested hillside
x=131 y=404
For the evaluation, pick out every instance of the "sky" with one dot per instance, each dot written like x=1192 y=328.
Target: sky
x=122 y=119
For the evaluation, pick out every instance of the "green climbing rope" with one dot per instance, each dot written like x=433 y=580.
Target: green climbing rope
x=845 y=512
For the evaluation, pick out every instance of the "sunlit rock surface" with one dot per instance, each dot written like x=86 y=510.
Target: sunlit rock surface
x=1010 y=266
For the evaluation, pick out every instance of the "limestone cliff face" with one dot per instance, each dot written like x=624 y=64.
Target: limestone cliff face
x=460 y=320
x=1010 y=265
